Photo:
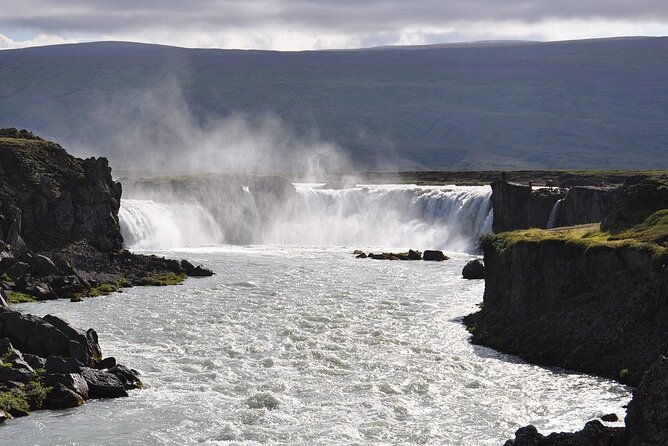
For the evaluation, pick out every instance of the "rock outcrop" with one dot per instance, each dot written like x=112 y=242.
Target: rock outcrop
x=48 y=363
x=517 y=206
x=59 y=227
x=50 y=199
x=520 y=207
x=585 y=204
x=596 y=309
x=636 y=200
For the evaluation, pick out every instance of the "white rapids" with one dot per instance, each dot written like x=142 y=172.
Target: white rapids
x=306 y=344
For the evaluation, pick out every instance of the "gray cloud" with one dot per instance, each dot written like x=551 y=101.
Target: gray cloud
x=261 y=20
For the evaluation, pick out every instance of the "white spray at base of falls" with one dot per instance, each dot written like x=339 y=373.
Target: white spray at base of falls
x=387 y=216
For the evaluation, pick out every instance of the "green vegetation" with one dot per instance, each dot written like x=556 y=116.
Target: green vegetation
x=19 y=401
x=650 y=235
x=163 y=279
x=623 y=375
x=16 y=297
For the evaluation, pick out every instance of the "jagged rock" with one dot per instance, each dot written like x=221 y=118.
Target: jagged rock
x=174 y=266
x=593 y=434
x=34 y=361
x=67 y=286
x=81 y=345
x=195 y=271
x=44 y=266
x=475 y=269
x=103 y=384
x=361 y=256
x=19 y=375
x=106 y=363
x=647 y=413
x=18 y=270
x=62 y=397
x=73 y=381
x=62 y=364
x=3 y=299
x=434 y=256
x=4 y=416
x=414 y=255
x=129 y=377
x=637 y=199
x=38 y=290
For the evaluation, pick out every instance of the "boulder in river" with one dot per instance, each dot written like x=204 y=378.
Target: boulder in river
x=434 y=255
x=475 y=269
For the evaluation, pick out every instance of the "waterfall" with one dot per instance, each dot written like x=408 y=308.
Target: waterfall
x=386 y=216
x=554 y=214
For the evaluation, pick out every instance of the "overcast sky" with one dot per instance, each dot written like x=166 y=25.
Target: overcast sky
x=317 y=24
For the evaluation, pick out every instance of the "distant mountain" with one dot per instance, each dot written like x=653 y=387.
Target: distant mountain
x=579 y=104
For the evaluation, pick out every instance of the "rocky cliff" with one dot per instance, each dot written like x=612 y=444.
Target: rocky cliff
x=585 y=204
x=568 y=299
x=49 y=199
x=517 y=206
x=59 y=227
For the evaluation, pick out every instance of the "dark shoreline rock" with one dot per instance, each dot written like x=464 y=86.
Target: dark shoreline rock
x=59 y=370
x=428 y=255
x=59 y=228
x=646 y=419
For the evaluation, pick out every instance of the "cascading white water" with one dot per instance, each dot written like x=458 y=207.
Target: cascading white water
x=387 y=216
x=554 y=213
x=148 y=224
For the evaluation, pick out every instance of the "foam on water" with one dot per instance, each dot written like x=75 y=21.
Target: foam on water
x=291 y=345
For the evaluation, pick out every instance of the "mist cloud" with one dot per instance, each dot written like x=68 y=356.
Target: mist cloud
x=295 y=24
x=155 y=132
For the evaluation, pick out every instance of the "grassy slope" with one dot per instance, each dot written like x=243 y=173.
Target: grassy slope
x=561 y=105
x=650 y=235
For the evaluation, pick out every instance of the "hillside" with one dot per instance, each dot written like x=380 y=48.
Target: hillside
x=579 y=104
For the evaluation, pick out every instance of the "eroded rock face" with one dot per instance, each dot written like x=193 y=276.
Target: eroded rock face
x=647 y=413
x=599 y=310
x=636 y=200
x=50 y=198
x=518 y=207
x=68 y=357
x=585 y=204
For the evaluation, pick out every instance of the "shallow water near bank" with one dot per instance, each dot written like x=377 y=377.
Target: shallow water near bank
x=296 y=345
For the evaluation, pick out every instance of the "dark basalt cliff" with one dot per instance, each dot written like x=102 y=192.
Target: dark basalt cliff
x=59 y=227
x=585 y=204
x=595 y=309
x=519 y=206
x=49 y=199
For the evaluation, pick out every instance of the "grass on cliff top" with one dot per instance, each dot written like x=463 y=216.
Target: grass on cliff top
x=652 y=235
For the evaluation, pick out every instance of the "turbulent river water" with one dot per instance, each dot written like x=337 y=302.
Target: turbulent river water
x=295 y=344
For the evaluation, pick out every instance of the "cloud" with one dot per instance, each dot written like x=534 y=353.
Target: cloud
x=304 y=24
x=39 y=40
